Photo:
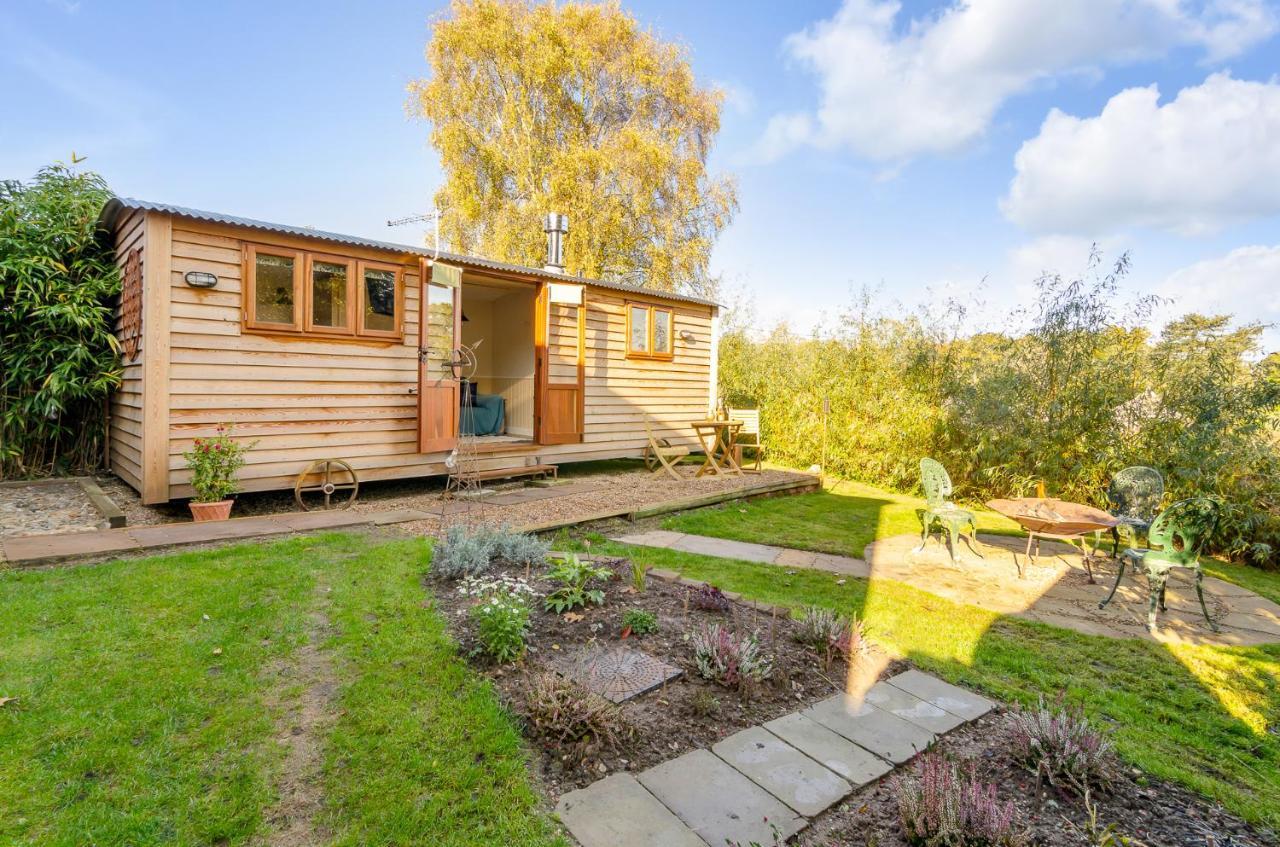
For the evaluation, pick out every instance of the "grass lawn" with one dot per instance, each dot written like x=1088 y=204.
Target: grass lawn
x=148 y=695
x=1201 y=716
x=840 y=519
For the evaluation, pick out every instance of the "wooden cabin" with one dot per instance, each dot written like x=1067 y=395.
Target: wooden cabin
x=316 y=345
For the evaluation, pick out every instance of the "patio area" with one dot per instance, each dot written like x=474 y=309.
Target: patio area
x=1055 y=590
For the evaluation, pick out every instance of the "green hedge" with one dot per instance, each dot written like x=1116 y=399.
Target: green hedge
x=59 y=359
x=1078 y=391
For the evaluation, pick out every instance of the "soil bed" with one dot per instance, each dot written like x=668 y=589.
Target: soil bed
x=685 y=714
x=1151 y=812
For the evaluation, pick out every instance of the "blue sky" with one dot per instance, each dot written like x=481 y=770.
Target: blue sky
x=919 y=148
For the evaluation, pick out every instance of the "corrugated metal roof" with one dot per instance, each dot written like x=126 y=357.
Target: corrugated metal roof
x=116 y=204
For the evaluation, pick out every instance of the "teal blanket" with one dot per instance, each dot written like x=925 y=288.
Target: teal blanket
x=487 y=417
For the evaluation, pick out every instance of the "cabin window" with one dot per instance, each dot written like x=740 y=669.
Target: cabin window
x=330 y=281
x=317 y=294
x=380 y=304
x=273 y=290
x=649 y=332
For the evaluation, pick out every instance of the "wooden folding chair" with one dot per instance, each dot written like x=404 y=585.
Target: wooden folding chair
x=661 y=454
x=748 y=436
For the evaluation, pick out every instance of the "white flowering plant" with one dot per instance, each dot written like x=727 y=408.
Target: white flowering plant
x=501 y=616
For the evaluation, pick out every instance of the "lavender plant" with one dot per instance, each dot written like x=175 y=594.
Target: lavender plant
x=1060 y=746
x=732 y=660
x=945 y=807
x=473 y=550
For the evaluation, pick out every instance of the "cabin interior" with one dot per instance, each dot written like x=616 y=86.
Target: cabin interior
x=497 y=324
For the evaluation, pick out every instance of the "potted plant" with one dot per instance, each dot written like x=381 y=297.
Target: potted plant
x=214 y=462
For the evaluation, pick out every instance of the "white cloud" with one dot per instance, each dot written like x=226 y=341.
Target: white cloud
x=892 y=90
x=1244 y=283
x=1206 y=159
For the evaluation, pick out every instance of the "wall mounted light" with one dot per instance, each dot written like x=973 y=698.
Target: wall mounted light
x=686 y=336
x=200 y=279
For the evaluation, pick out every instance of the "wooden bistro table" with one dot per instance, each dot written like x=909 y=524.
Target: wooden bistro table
x=1047 y=517
x=717 y=438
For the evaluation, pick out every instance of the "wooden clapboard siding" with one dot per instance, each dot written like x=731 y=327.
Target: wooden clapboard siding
x=301 y=398
x=124 y=435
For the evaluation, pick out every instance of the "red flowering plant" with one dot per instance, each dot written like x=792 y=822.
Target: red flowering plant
x=214 y=462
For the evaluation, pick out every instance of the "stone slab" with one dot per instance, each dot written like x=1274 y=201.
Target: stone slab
x=617 y=811
x=887 y=735
x=782 y=770
x=958 y=701
x=911 y=708
x=614 y=671
x=718 y=803
x=835 y=751
x=726 y=549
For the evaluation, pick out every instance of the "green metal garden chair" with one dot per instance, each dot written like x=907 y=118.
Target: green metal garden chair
x=942 y=512
x=1178 y=536
x=1134 y=499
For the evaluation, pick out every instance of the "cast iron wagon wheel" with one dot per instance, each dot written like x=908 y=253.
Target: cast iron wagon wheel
x=336 y=489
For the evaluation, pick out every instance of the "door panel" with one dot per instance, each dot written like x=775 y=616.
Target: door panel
x=561 y=358
x=439 y=327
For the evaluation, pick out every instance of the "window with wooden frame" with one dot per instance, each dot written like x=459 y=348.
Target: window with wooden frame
x=649 y=331
x=294 y=291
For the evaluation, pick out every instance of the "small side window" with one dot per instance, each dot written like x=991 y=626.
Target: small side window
x=638 y=330
x=380 y=300
x=661 y=332
x=329 y=282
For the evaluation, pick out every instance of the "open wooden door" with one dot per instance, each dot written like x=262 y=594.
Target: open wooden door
x=439 y=328
x=560 y=338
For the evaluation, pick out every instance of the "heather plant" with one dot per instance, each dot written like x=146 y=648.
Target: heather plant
x=214 y=463
x=575 y=576
x=501 y=619
x=708 y=598
x=734 y=661
x=1061 y=747
x=639 y=621
x=561 y=710
x=831 y=634
x=946 y=806
x=59 y=357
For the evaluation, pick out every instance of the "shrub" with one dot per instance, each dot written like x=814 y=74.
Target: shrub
x=59 y=357
x=831 y=634
x=704 y=704
x=708 y=598
x=574 y=575
x=214 y=463
x=502 y=621
x=638 y=577
x=559 y=709
x=639 y=621
x=1059 y=746
x=943 y=807
x=733 y=661
x=473 y=550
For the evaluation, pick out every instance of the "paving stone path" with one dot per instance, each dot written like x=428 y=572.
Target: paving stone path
x=773 y=778
x=1054 y=590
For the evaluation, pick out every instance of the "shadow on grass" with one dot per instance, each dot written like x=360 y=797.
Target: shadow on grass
x=1200 y=716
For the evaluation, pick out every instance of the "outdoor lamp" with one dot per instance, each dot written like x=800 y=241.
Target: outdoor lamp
x=200 y=279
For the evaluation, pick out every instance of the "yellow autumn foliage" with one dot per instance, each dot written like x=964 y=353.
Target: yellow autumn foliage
x=538 y=108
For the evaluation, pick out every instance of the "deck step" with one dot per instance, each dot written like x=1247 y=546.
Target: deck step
x=509 y=473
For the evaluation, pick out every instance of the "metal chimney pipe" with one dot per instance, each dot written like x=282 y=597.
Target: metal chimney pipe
x=556 y=227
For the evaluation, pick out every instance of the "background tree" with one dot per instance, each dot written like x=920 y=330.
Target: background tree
x=58 y=356
x=537 y=108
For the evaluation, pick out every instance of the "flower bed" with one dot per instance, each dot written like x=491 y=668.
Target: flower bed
x=687 y=713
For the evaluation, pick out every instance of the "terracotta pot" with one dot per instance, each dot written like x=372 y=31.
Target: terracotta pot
x=218 y=511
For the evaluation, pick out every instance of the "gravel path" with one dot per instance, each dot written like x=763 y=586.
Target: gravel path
x=585 y=494
x=42 y=508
